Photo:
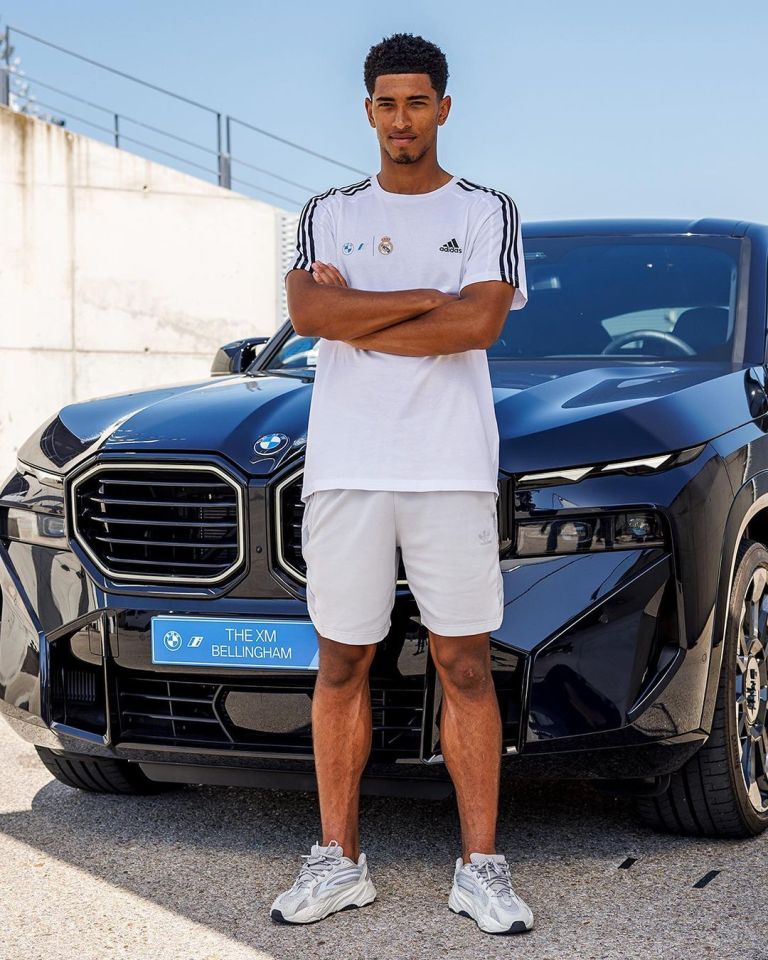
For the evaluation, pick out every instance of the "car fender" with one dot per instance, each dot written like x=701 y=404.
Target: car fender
x=748 y=501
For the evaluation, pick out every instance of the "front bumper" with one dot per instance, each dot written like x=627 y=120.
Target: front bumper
x=594 y=675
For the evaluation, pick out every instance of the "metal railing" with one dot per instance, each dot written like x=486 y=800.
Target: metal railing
x=216 y=160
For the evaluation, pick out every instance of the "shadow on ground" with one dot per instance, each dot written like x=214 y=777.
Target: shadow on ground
x=219 y=855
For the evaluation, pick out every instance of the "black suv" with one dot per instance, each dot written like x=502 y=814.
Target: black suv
x=154 y=627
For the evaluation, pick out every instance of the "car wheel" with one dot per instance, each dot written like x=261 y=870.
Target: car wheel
x=100 y=774
x=722 y=791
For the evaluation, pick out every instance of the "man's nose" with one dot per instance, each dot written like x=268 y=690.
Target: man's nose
x=401 y=120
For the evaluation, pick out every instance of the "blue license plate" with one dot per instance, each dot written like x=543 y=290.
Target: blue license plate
x=224 y=642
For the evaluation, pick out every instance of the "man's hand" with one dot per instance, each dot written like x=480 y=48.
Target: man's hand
x=321 y=304
x=470 y=321
x=327 y=274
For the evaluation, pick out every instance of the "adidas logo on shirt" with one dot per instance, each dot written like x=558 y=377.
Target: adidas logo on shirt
x=451 y=247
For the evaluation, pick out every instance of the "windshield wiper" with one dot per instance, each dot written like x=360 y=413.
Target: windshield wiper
x=283 y=373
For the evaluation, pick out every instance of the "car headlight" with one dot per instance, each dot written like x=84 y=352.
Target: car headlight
x=28 y=526
x=45 y=477
x=588 y=534
x=32 y=507
x=639 y=465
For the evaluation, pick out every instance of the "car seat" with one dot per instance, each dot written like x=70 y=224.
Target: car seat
x=706 y=330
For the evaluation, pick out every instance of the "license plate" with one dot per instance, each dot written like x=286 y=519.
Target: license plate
x=223 y=642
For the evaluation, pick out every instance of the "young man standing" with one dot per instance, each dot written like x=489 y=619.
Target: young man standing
x=407 y=277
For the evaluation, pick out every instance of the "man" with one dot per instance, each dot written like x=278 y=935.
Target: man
x=407 y=277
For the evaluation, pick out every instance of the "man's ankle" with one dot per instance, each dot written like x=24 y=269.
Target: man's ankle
x=348 y=847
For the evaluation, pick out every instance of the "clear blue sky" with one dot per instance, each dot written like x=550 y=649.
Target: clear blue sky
x=590 y=108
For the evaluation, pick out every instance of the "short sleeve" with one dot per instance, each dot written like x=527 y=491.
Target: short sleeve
x=315 y=234
x=496 y=250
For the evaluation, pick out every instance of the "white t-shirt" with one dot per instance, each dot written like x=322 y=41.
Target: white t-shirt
x=379 y=421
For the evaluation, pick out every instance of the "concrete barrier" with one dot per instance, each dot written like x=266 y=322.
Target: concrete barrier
x=119 y=273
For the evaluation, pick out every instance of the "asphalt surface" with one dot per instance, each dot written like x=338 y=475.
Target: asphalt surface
x=190 y=876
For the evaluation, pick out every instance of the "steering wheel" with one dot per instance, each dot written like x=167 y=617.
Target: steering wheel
x=684 y=348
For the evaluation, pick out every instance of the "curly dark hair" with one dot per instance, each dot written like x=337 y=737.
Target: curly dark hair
x=406 y=53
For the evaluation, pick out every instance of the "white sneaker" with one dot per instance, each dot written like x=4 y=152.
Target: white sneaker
x=482 y=890
x=326 y=883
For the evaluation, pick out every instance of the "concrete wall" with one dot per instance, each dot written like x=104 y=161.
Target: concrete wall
x=118 y=273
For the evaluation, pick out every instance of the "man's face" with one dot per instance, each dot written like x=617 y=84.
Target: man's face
x=406 y=112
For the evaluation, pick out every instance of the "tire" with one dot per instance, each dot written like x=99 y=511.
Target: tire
x=100 y=774
x=709 y=795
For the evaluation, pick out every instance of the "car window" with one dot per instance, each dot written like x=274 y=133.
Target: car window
x=588 y=295
x=297 y=353
x=660 y=319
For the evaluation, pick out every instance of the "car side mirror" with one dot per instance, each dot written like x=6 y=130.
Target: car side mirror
x=237 y=356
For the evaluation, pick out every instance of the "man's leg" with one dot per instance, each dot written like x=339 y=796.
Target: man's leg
x=335 y=875
x=470 y=734
x=341 y=735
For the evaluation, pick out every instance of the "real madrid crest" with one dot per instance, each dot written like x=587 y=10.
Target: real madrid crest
x=386 y=245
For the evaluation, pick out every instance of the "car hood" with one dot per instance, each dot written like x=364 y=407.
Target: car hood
x=556 y=415
x=549 y=415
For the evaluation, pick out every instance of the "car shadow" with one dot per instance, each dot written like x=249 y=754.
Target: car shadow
x=175 y=848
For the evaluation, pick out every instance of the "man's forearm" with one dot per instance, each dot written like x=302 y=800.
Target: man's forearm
x=337 y=313
x=450 y=328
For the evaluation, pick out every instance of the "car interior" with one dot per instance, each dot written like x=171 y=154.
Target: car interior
x=610 y=297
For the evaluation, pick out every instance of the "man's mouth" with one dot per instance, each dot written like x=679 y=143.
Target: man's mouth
x=402 y=141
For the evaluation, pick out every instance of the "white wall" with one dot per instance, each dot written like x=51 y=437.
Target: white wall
x=118 y=273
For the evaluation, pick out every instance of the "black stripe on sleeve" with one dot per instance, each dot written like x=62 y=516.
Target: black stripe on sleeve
x=310 y=235
x=511 y=222
x=301 y=257
x=309 y=243
x=305 y=239
x=356 y=187
x=513 y=255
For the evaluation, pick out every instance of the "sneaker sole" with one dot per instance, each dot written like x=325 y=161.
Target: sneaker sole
x=517 y=926
x=278 y=917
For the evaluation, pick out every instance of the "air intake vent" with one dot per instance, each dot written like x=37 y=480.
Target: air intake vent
x=288 y=513
x=268 y=715
x=151 y=523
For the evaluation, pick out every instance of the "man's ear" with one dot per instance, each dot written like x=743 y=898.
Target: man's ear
x=369 y=111
x=443 y=110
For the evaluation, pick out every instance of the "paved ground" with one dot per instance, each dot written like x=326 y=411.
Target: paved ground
x=190 y=876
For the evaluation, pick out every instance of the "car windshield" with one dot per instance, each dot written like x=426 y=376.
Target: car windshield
x=651 y=297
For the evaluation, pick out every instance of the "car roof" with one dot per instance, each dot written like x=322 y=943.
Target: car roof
x=632 y=226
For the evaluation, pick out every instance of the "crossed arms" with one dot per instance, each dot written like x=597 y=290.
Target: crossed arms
x=411 y=323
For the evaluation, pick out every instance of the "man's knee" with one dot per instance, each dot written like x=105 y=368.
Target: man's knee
x=463 y=665
x=344 y=664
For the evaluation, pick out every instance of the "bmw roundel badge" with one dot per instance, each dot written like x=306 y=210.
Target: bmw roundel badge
x=271 y=443
x=172 y=640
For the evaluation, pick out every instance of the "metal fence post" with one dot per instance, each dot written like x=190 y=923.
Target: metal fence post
x=225 y=166
x=5 y=70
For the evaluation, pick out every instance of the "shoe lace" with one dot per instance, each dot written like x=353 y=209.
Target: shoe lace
x=316 y=866
x=495 y=877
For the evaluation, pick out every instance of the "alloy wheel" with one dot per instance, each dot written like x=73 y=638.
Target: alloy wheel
x=751 y=690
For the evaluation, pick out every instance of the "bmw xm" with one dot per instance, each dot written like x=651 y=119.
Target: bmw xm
x=153 y=624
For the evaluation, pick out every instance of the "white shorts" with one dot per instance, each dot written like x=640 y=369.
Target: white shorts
x=449 y=542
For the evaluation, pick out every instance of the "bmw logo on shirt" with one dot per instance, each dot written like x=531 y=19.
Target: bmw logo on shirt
x=271 y=443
